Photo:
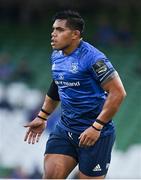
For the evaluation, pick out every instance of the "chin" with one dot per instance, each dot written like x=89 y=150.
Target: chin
x=57 y=48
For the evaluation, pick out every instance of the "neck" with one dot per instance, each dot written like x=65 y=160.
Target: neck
x=72 y=47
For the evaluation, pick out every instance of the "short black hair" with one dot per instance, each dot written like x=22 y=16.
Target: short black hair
x=74 y=20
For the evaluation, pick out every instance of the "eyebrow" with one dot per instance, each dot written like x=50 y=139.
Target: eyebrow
x=58 y=28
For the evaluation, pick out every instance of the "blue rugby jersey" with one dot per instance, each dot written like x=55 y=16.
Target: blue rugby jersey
x=79 y=76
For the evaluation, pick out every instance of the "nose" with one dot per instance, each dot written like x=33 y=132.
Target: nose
x=53 y=34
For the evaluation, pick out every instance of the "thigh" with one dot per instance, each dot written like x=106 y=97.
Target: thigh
x=60 y=155
x=58 y=166
x=59 y=143
x=94 y=161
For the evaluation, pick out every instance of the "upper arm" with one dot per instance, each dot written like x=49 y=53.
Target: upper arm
x=114 y=85
x=53 y=91
x=100 y=68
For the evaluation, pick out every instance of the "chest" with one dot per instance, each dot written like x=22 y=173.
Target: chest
x=68 y=69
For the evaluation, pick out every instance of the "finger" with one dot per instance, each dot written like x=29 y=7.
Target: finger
x=89 y=143
x=34 y=138
x=86 y=142
x=30 y=136
x=80 y=136
x=94 y=141
x=38 y=137
x=26 y=135
x=81 y=141
x=27 y=125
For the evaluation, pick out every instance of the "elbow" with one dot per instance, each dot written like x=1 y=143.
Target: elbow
x=122 y=95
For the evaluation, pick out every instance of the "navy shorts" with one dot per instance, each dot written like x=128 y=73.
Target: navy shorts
x=92 y=161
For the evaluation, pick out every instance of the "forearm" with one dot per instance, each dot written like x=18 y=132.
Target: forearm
x=49 y=106
x=110 y=107
x=116 y=94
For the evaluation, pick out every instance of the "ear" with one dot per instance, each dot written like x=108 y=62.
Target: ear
x=76 y=34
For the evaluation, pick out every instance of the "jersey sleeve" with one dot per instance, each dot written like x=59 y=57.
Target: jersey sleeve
x=101 y=68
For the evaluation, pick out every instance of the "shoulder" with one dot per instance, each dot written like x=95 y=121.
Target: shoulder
x=89 y=51
x=56 y=54
x=89 y=54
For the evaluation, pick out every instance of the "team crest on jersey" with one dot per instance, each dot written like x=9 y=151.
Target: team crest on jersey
x=74 y=67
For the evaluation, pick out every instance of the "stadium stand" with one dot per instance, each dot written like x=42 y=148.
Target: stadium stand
x=37 y=51
x=34 y=45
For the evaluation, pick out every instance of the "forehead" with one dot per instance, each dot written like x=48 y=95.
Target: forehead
x=60 y=23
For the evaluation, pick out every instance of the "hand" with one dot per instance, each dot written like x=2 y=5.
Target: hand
x=89 y=137
x=35 y=129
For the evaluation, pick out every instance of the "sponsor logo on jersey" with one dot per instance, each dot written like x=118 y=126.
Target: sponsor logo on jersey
x=68 y=84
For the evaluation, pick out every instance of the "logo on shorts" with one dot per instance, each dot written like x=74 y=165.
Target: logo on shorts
x=70 y=135
x=97 y=168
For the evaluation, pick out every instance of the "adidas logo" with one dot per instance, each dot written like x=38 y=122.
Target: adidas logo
x=97 y=168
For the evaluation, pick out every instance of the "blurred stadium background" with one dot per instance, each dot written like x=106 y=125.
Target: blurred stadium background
x=25 y=26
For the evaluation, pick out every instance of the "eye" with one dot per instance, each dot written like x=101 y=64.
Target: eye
x=60 y=29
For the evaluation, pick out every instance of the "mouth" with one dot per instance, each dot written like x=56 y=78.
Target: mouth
x=53 y=42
